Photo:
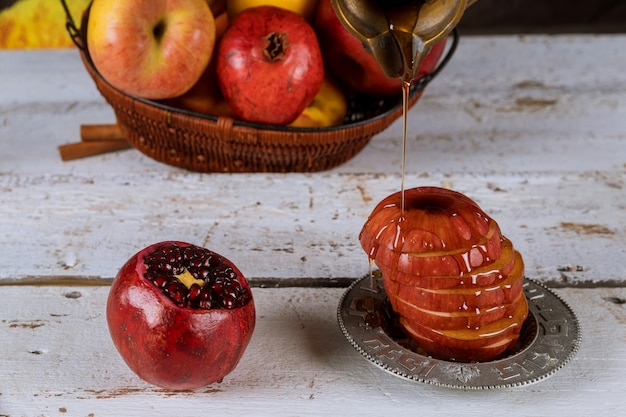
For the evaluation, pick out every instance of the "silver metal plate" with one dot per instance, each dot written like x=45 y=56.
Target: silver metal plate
x=549 y=338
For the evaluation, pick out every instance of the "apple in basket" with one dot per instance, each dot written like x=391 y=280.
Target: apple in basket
x=328 y=108
x=351 y=63
x=205 y=96
x=154 y=49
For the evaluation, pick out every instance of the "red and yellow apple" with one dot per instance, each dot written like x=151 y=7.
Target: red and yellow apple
x=205 y=96
x=350 y=62
x=154 y=49
x=328 y=108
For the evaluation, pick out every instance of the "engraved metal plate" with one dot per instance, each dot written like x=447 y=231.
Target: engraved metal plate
x=549 y=338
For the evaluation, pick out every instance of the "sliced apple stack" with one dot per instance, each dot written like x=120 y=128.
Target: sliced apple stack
x=455 y=282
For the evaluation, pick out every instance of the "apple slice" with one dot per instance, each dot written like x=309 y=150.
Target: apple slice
x=439 y=232
x=463 y=299
x=453 y=262
x=456 y=320
x=484 y=343
x=432 y=219
x=479 y=354
x=485 y=275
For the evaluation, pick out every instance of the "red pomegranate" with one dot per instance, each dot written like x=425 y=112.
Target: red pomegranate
x=180 y=315
x=269 y=65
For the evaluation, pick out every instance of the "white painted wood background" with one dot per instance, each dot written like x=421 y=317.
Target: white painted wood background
x=531 y=127
x=56 y=355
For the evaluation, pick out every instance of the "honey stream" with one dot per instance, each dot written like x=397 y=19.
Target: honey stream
x=402 y=19
x=406 y=90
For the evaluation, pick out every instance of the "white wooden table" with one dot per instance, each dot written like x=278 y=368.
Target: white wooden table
x=531 y=127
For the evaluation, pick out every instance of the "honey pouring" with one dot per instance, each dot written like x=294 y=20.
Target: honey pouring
x=455 y=284
x=399 y=34
x=434 y=244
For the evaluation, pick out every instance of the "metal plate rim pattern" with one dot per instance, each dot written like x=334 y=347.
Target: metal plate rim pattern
x=555 y=342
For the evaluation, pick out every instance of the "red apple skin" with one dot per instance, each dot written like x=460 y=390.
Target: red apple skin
x=122 y=44
x=269 y=90
x=455 y=282
x=168 y=346
x=456 y=237
x=454 y=320
x=470 y=345
x=484 y=276
x=346 y=58
x=469 y=298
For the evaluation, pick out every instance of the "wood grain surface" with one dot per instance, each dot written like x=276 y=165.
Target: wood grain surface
x=531 y=127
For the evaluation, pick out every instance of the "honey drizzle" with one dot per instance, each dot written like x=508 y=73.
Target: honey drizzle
x=406 y=89
x=372 y=285
x=403 y=17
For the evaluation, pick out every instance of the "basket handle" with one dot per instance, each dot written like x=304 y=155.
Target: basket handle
x=71 y=27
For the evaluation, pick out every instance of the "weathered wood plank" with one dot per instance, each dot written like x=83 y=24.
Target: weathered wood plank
x=78 y=225
x=56 y=354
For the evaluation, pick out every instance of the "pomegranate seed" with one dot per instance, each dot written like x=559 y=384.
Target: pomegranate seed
x=194 y=262
x=175 y=292
x=215 y=261
x=195 y=277
x=160 y=281
x=228 y=302
x=217 y=289
x=194 y=292
x=203 y=272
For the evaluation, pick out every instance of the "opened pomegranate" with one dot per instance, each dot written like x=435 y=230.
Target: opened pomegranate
x=454 y=280
x=180 y=315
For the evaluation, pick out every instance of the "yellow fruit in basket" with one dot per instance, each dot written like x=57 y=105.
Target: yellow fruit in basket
x=154 y=49
x=30 y=24
x=304 y=8
x=328 y=107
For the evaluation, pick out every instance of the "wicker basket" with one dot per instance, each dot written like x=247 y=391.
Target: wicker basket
x=205 y=143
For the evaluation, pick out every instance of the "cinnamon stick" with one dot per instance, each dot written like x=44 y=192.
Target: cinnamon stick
x=78 y=150
x=96 y=139
x=91 y=133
